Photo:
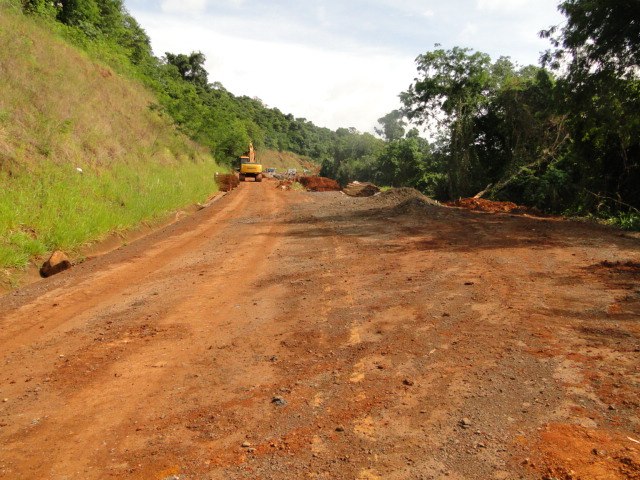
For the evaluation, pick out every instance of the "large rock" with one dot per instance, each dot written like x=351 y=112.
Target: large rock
x=57 y=262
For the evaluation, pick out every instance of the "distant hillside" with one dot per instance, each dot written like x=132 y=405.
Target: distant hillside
x=285 y=160
x=81 y=151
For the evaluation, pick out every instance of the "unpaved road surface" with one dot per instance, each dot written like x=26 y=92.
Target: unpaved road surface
x=290 y=335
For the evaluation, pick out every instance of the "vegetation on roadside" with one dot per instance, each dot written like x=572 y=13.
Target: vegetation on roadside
x=54 y=206
x=81 y=153
x=563 y=137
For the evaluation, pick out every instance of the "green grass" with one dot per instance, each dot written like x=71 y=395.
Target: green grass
x=55 y=206
x=59 y=110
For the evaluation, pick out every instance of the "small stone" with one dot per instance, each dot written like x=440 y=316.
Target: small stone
x=339 y=428
x=56 y=263
x=251 y=450
x=279 y=401
x=246 y=444
x=407 y=382
x=612 y=407
x=465 y=423
x=5 y=400
x=480 y=445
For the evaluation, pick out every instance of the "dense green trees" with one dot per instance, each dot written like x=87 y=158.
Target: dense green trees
x=599 y=48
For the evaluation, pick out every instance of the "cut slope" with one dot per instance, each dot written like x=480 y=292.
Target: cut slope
x=285 y=160
x=81 y=151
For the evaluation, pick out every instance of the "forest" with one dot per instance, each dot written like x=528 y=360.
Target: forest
x=562 y=136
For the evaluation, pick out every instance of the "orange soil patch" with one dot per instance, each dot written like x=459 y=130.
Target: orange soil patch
x=319 y=184
x=483 y=205
x=571 y=452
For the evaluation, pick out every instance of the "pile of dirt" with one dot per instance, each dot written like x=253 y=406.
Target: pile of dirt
x=404 y=200
x=319 y=184
x=483 y=205
x=361 y=189
x=414 y=206
x=395 y=196
x=226 y=181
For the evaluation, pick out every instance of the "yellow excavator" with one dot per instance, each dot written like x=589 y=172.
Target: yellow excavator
x=249 y=167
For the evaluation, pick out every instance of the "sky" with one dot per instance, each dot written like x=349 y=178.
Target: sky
x=338 y=63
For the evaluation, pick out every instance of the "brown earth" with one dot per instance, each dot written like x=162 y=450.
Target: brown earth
x=290 y=335
x=319 y=184
x=484 y=205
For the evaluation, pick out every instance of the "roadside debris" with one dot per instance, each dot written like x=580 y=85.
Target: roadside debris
x=57 y=262
x=482 y=205
x=226 y=181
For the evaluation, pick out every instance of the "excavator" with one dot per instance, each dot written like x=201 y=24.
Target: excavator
x=249 y=167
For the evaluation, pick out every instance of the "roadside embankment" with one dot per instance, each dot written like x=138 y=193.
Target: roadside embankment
x=82 y=154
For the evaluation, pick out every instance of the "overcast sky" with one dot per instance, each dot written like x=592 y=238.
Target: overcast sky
x=338 y=63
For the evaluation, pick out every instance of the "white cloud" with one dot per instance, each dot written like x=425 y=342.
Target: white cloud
x=183 y=6
x=333 y=62
x=333 y=88
x=508 y=5
x=468 y=33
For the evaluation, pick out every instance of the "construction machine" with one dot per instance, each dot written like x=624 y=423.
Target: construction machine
x=249 y=167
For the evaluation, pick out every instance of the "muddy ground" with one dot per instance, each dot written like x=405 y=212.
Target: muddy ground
x=290 y=335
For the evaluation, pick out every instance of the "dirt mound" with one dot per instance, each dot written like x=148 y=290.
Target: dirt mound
x=226 y=181
x=396 y=196
x=361 y=189
x=414 y=206
x=319 y=184
x=404 y=201
x=483 y=205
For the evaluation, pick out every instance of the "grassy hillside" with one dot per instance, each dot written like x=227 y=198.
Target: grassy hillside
x=285 y=160
x=81 y=151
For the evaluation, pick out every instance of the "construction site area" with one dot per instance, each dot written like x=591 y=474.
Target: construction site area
x=279 y=333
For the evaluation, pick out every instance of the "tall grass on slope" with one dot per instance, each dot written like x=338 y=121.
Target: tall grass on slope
x=60 y=111
x=59 y=207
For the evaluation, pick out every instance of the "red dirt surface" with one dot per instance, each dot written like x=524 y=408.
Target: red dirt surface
x=483 y=205
x=291 y=335
x=319 y=184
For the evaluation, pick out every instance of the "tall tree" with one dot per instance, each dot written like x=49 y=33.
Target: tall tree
x=599 y=47
x=190 y=67
x=391 y=126
x=83 y=13
x=450 y=90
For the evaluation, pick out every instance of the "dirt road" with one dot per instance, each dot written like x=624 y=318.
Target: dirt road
x=289 y=335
